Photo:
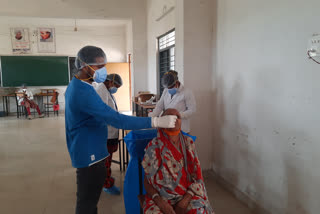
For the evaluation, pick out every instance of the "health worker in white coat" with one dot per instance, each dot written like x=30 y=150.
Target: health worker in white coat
x=106 y=90
x=176 y=96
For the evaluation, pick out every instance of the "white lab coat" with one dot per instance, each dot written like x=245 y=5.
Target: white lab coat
x=28 y=93
x=183 y=101
x=108 y=99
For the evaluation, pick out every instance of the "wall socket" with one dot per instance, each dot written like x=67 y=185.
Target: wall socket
x=314 y=45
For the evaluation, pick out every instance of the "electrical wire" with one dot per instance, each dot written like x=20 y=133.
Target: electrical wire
x=310 y=57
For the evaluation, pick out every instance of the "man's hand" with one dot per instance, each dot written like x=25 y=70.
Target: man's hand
x=164 y=206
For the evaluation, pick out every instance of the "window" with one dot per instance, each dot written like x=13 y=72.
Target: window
x=166 y=44
x=167 y=40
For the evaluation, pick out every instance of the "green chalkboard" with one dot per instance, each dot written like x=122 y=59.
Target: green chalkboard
x=34 y=70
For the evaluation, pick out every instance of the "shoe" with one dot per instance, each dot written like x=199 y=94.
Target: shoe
x=30 y=117
x=112 y=190
x=41 y=116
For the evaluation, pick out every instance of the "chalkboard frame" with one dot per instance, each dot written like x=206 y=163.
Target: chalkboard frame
x=72 y=68
x=63 y=82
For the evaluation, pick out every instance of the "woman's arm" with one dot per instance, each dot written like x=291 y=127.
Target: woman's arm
x=149 y=188
x=164 y=206
x=182 y=205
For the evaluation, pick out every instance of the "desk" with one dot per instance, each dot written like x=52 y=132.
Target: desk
x=47 y=92
x=6 y=100
x=48 y=105
x=44 y=95
x=142 y=109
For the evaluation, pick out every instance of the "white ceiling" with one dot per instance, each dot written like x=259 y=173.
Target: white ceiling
x=68 y=22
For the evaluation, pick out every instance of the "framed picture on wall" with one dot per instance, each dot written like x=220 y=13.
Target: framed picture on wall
x=20 y=40
x=46 y=40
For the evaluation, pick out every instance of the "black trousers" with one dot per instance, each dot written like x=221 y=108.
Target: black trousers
x=90 y=181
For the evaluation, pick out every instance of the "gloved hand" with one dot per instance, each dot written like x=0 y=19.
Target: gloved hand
x=150 y=114
x=168 y=121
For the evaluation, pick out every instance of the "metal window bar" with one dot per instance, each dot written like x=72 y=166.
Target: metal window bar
x=167 y=40
x=166 y=45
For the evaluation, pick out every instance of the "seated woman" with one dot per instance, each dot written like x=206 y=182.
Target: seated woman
x=27 y=101
x=173 y=178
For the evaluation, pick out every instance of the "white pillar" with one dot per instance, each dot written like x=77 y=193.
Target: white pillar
x=194 y=26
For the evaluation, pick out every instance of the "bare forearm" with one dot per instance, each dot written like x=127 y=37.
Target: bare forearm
x=149 y=188
x=182 y=205
x=187 y=197
x=164 y=206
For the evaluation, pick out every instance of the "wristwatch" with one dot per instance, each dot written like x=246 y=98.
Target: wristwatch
x=155 y=195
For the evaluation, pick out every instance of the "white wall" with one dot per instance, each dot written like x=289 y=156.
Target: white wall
x=194 y=33
x=179 y=47
x=193 y=23
x=134 y=10
x=267 y=104
x=110 y=36
x=156 y=29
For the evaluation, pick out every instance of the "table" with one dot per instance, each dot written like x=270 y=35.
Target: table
x=47 y=92
x=142 y=109
x=6 y=102
x=6 y=99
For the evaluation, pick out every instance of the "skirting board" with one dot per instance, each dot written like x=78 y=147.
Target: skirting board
x=244 y=198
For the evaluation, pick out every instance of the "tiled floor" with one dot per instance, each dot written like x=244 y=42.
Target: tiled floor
x=36 y=176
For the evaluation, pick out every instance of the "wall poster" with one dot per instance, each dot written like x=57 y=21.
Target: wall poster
x=20 y=41
x=46 y=40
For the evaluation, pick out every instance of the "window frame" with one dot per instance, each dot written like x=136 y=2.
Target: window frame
x=158 y=57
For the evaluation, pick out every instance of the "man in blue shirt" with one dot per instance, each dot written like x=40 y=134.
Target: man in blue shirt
x=86 y=118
